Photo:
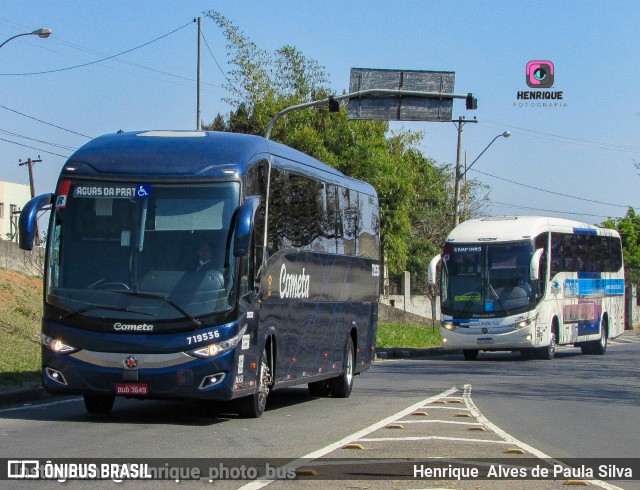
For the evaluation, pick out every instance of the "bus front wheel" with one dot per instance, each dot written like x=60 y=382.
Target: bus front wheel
x=341 y=386
x=253 y=406
x=548 y=352
x=470 y=354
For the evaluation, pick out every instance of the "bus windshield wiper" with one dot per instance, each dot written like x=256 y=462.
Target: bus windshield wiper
x=472 y=299
x=166 y=299
x=498 y=298
x=102 y=307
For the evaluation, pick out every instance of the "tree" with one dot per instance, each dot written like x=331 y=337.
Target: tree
x=629 y=229
x=414 y=191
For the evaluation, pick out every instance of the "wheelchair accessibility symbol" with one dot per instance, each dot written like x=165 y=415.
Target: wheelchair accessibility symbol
x=143 y=191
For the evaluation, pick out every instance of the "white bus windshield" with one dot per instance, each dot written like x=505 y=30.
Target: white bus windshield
x=141 y=251
x=491 y=280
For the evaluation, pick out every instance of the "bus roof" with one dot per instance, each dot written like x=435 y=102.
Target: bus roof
x=513 y=228
x=183 y=154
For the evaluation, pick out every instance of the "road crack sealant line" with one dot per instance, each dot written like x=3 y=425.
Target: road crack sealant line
x=304 y=460
x=509 y=438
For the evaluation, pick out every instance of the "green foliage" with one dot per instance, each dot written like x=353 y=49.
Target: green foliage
x=408 y=336
x=629 y=229
x=20 y=314
x=414 y=192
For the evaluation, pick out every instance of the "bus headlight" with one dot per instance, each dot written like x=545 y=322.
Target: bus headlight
x=218 y=348
x=525 y=323
x=56 y=345
x=448 y=326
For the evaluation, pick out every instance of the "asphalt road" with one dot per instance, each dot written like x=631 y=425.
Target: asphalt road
x=574 y=406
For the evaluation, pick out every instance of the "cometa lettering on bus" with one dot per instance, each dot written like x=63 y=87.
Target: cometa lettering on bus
x=293 y=285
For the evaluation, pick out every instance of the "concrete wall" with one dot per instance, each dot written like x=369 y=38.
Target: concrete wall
x=11 y=195
x=30 y=263
x=419 y=305
x=416 y=305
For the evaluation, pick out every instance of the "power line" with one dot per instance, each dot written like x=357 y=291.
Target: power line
x=136 y=65
x=219 y=67
x=10 y=133
x=502 y=204
x=34 y=148
x=45 y=122
x=563 y=194
x=98 y=61
x=565 y=139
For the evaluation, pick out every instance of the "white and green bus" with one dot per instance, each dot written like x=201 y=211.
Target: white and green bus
x=529 y=283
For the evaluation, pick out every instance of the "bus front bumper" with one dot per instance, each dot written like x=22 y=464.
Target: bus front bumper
x=475 y=339
x=211 y=379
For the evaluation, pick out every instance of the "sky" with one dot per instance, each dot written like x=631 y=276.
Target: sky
x=576 y=159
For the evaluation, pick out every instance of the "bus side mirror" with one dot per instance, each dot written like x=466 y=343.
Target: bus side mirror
x=244 y=226
x=433 y=269
x=534 y=267
x=27 y=223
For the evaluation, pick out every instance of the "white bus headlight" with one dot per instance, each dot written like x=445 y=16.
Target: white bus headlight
x=448 y=326
x=218 y=348
x=526 y=323
x=56 y=345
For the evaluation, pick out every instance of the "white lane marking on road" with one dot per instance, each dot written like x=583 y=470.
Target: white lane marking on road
x=44 y=405
x=431 y=438
x=453 y=422
x=257 y=484
x=522 y=445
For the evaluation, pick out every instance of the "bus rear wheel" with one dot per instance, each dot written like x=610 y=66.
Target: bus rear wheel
x=253 y=406
x=319 y=388
x=98 y=403
x=597 y=347
x=342 y=385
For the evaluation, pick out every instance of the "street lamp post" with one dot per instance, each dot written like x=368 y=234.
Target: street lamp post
x=460 y=174
x=43 y=32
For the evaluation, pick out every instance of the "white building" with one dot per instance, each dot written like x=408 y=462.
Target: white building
x=12 y=198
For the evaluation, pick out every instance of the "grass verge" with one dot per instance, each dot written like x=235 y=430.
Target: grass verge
x=20 y=313
x=408 y=335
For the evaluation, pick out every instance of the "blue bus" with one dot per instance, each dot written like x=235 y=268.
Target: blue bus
x=205 y=265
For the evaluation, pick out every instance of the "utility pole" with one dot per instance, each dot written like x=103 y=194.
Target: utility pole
x=198 y=110
x=32 y=185
x=458 y=174
x=30 y=163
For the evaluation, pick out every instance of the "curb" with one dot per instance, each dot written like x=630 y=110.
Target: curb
x=16 y=395
x=409 y=353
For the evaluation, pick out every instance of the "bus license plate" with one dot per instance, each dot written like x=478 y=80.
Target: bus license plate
x=138 y=389
x=485 y=341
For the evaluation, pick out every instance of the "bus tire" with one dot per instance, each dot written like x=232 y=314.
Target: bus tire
x=599 y=347
x=548 y=352
x=319 y=389
x=98 y=403
x=470 y=354
x=253 y=406
x=341 y=386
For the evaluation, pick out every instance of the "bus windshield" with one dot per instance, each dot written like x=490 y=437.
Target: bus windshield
x=142 y=252
x=491 y=280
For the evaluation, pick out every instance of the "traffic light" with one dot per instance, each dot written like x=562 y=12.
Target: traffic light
x=472 y=102
x=334 y=105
